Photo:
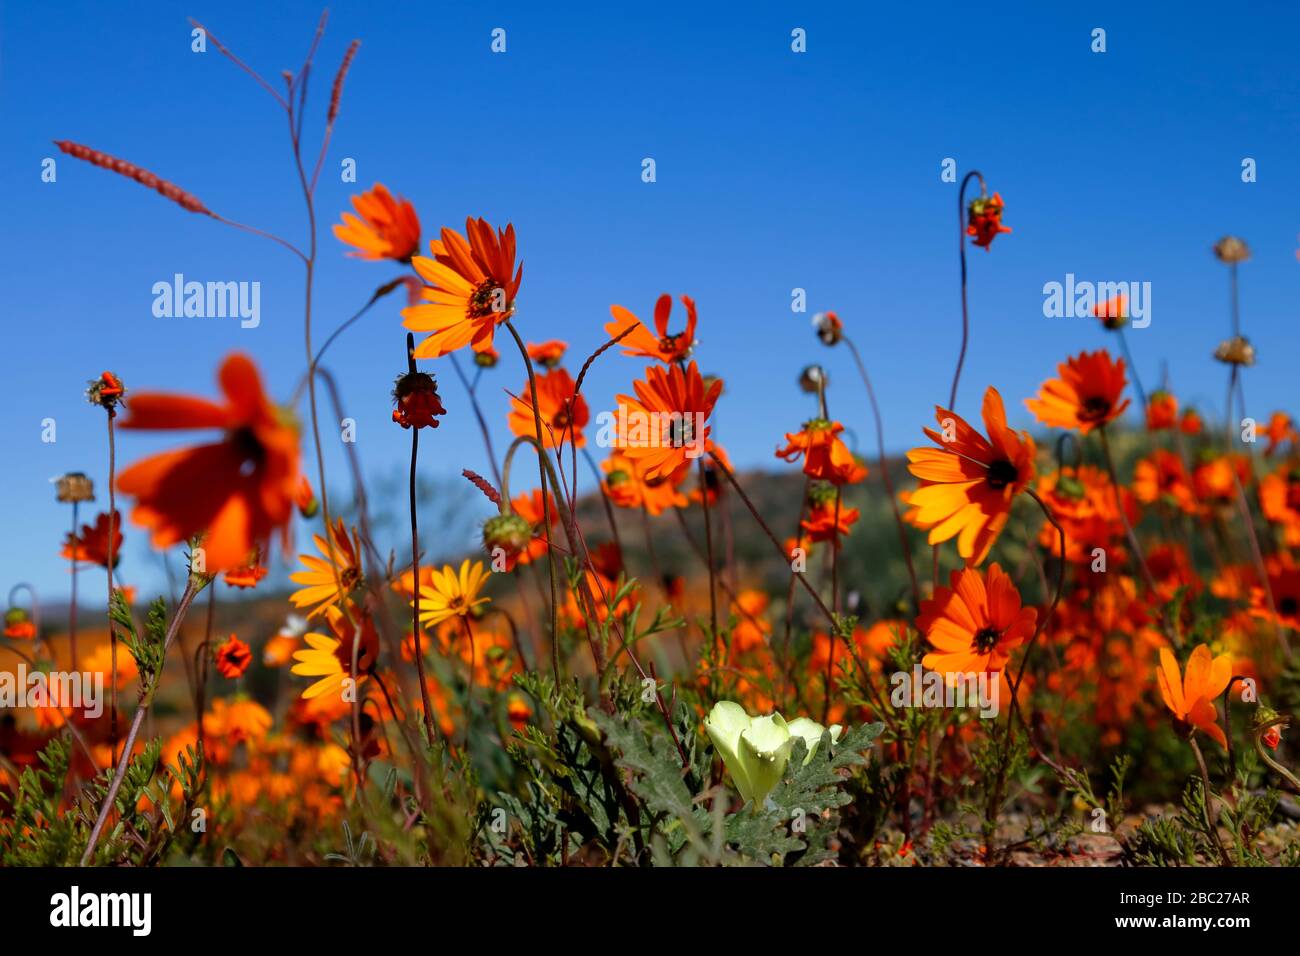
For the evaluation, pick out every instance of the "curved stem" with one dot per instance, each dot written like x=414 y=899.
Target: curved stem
x=1208 y=798
x=543 y=463
x=181 y=610
x=416 y=629
x=961 y=248
x=708 y=548
x=112 y=559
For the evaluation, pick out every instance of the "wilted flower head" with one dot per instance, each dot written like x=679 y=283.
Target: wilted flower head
x=106 y=391
x=984 y=220
x=813 y=378
x=1230 y=250
x=74 y=487
x=1236 y=351
x=757 y=749
x=417 y=401
x=828 y=327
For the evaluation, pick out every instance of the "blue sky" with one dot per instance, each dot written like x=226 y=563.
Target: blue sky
x=775 y=170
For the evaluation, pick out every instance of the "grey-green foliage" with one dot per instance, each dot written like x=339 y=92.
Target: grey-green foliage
x=792 y=827
x=796 y=822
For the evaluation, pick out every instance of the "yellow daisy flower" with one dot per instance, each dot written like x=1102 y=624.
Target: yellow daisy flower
x=322 y=584
x=451 y=593
x=330 y=658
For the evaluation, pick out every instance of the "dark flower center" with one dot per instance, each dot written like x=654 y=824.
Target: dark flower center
x=485 y=297
x=986 y=638
x=1288 y=606
x=1001 y=474
x=1095 y=408
x=248 y=448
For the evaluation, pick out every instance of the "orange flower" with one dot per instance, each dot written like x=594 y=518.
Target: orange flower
x=239 y=490
x=1162 y=411
x=1086 y=396
x=968 y=482
x=663 y=428
x=752 y=629
x=826 y=458
x=985 y=220
x=100 y=661
x=1284 y=585
x=305 y=498
x=246 y=577
x=547 y=354
x=1212 y=478
x=669 y=349
x=327 y=582
x=1083 y=502
x=1113 y=312
x=233 y=657
x=1190 y=423
x=529 y=507
x=976 y=623
x=1161 y=477
x=416 y=399
x=564 y=414
x=518 y=711
x=1280 y=429
x=627 y=487
x=1279 y=499
x=828 y=520
x=92 y=545
x=471 y=289
x=388 y=227
x=19 y=625
x=1191 y=696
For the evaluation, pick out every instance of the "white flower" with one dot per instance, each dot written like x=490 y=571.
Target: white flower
x=757 y=749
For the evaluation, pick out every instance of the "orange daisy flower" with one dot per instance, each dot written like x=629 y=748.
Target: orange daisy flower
x=239 y=490
x=968 y=482
x=667 y=348
x=1083 y=502
x=1279 y=500
x=1161 y=477
x=233 y=657
x=1086 y=396
x=471 y=290
x=826 y=458
x=322 y=586
x=1280 y=429
x=388 y=228
x=823 y=523
x=1284 y=584
x=663 y=427
x=974 y=624
x=564 y=413
x=1162 y=411
x=1113 y=312
x=1191 y=422
x=246 y=577
x=1212 y=478
x=92 y=545
x=627 y=487
x=1190 y=696
x=547 y=354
